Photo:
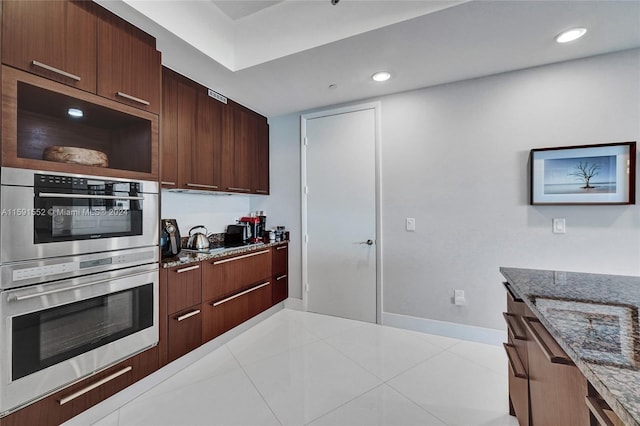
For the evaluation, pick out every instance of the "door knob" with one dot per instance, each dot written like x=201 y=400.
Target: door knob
x=368 y=242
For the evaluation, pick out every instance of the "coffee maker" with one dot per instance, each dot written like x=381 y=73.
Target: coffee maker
x=170 y=238
x=256 y=229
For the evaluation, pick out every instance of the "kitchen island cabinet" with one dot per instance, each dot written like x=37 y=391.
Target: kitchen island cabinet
x=581 y=340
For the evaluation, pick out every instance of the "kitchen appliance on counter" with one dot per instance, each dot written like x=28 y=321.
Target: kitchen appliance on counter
x=59 y=214
x=198 y=240
x=170 y=242
x=64 y=318
x=237 y=235
x=255 y=225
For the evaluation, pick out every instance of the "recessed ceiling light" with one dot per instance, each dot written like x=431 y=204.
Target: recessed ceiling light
x=75 y=112
x=381 y=76
x=570 y=35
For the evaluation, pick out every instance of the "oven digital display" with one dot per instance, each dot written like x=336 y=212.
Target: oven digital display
x=97 y=262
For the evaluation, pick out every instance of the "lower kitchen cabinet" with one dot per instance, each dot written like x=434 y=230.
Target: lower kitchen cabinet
x=279 y=269
x=227 y=276
x=184 y=332
x=222 y=315
x=71 y=401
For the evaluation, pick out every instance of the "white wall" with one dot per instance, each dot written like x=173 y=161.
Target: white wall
x=455 y=157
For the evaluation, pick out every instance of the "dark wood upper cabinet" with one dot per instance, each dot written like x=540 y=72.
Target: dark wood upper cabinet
x=54 y=39
x=239 y=140
x=129 y=66
x=169 y=130
x=260 y=169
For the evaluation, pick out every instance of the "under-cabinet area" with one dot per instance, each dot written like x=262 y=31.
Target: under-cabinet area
x=568 y=360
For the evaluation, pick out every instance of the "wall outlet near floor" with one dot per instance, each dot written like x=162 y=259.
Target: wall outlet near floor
x=458 y=298
x=411 y=224
x=559 y=225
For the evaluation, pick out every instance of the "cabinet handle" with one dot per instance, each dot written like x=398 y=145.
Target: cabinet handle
x=281 y=277
x=188 y=315
x=133 y=98
x=230 y=188
x=167 y=183
x=55 y=70
x=261 y=191
x=218 y=262
x=514 y=326
x=597 y=408
x=95 y=385
x=512 y=293
x=516 y=367
x=235 y=296
x=199 y=185
x=281 y=247
x=551 y=357
x=190 y=268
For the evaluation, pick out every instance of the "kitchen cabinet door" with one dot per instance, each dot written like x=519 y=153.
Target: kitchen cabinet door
x=224 y=277
x=169 y=130
x=239 y=136
x=54 y=39
x=260 y=168
x=129 y=66
x=222 y=315
x=184 y=287
x=185 y=332
x=280 y=271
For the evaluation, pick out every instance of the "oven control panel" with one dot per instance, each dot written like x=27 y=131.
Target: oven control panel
x=45 y=271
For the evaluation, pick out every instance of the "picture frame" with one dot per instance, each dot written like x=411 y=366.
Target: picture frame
x=584 y=174
x=598 y=332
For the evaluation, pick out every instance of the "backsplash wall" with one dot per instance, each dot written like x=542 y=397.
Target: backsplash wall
x=215 y=211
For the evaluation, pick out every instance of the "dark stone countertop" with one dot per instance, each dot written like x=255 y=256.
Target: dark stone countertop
x=186 y=257
x=594 y=318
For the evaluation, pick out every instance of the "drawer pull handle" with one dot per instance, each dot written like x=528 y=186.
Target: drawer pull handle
x=512 y=293
x=95 y=385
x=133 y=98
x=281 y=277
x=167 y=183
x=597 y=408
x=217 y=262
x=230 y=188
x=55 y=70
x=281 y=247
x=261 y=191
x=515 y=364
x=235 y=296
x=514 y=326
x=190 y=268
x=200 y=185
x=551 y=357
x=188 y=315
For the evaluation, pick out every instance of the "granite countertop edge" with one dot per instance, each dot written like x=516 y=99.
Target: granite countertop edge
x=592 y=376
x=194 y=257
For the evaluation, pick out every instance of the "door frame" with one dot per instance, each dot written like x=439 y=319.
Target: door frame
x=376 y=107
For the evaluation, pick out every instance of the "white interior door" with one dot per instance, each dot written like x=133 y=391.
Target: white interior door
x=339 y=269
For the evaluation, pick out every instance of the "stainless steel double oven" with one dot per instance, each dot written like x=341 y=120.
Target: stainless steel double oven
x=78 y=278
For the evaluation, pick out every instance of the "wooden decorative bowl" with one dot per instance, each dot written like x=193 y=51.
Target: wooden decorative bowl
x=74 y=155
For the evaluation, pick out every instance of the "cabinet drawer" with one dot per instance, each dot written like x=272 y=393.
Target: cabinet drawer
x=224 y=277
x=515 y=305
x=280 y=259
x=184 y=287
x=71 y=401
x=280 y=289
x=185 y=332
x=518 y=386
x=222 y=315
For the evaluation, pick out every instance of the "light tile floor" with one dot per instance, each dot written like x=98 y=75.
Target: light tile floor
x=300 y=368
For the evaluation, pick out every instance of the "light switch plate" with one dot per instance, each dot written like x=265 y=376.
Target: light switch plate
x=559 y=225
x=411 y=224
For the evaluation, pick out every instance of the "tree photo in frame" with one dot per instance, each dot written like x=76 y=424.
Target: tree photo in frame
x=586 y=174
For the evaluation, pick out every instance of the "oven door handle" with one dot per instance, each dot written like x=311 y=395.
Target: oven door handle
x=101 y=197
x=17 y=298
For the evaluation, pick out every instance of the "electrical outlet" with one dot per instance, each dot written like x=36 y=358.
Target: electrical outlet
x=411 y=224
x=559 y=225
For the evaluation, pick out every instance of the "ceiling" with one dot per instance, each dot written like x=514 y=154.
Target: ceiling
x=278 y=57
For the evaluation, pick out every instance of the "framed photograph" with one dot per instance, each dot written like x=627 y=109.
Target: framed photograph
x=598 y=332
x=587 y=174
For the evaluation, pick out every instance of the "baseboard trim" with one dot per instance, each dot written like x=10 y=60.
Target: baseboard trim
x=117 y=401
x=443 y=328
x=293 y=303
